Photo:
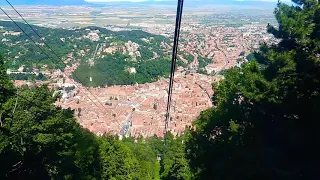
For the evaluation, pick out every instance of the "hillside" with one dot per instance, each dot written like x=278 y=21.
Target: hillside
x=108 y=57
x=125 y=57
x=20 y=51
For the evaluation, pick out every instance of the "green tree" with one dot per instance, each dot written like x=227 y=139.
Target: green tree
x=6 y=86
x=266 y=115
x=41 y=141
x=147 y=159
x=174 y=162
x=117 y=161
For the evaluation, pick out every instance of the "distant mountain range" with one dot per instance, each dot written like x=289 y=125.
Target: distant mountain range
x=188 y=3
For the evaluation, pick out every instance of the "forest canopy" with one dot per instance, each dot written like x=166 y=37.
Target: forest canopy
x=71 y=46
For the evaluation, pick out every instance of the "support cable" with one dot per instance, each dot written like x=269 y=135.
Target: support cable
x=44 y=52
x=174 y=59
x=42 y=39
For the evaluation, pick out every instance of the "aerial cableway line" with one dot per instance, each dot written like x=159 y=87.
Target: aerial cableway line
x=45 y=53
x=174 y=59
x=103 y=109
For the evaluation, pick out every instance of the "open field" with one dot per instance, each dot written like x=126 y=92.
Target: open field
x=80 y=16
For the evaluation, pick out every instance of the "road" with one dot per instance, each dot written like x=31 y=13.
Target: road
x=225 y=55
x=127 y=124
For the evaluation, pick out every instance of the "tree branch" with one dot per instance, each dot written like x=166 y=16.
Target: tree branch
x=1 y=120
x=18 y=163
x=15 y=106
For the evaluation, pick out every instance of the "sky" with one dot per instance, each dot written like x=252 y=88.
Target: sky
x=90 y=2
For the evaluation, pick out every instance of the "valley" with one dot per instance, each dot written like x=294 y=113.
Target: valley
x=115 y=75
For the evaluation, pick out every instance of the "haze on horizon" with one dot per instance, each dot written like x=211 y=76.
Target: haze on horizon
x=143 y=2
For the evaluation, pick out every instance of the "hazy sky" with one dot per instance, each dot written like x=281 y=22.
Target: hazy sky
x=80 y=2
x=172 y=0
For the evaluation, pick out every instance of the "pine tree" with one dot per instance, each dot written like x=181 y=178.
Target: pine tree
x=39 y=140
x=267 y=114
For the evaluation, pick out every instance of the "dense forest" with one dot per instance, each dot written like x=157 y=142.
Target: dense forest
x=266 y=116
x=109 y=68
x=19 y=50
x=264 y=123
